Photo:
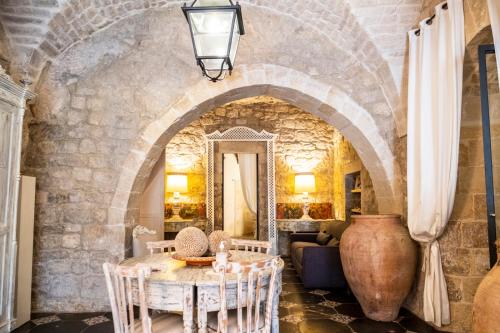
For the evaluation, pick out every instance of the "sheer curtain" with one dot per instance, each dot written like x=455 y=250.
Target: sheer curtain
x=248 y=174
x=434 y=107
x=494 y=11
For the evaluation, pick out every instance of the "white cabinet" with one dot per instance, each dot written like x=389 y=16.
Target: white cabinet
x=12 y=103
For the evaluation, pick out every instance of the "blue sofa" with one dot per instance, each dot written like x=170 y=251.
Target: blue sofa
x=318 y=266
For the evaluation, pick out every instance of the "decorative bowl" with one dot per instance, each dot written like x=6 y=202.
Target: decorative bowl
x=205 y=260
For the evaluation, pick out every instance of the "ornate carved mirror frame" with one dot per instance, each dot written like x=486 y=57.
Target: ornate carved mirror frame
x=242 y=133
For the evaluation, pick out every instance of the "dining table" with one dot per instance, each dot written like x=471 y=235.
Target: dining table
x=193 y=291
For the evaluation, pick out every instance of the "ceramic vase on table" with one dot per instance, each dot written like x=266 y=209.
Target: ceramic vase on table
x=486 y=310
x=379 y=259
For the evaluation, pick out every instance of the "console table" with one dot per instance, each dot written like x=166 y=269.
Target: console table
x=173 y=226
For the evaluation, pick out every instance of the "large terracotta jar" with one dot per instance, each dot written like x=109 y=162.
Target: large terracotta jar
x=379 y=260
x=486 y=310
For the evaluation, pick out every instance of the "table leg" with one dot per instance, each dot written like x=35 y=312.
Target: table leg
x=202 y=311
x=275 y=321
x=188 y=312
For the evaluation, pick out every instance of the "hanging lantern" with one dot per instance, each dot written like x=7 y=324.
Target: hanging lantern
x=216 y=26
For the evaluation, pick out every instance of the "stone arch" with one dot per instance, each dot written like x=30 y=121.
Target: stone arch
x=324 y=101
x=79 y=20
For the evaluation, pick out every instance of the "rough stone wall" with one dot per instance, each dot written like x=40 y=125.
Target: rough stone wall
x=475 y=15
x=305 y=143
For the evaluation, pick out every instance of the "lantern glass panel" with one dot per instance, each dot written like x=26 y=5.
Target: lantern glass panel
x=211 y=34
x=211 y=3
x=235 y=41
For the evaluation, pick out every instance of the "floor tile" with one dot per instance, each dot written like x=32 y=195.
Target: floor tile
x=294 y=287
x=25 y=328
x=366 y=325
x=291 y=279
x=322 y=326
x=60 y=327
x=106 y=327
x=417 y=325
x=341 y=296
x=79 y=316
x=288 y=327
x=46 y=320
x=37 y=315
x=303 y=298
x=350 y=309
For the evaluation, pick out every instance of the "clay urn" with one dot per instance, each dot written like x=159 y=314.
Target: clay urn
x=486 y=309
x=379 y=259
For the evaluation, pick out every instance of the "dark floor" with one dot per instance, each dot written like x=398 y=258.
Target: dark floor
x=301 y=310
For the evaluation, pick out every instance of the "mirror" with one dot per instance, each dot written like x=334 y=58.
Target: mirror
x=240 y=187
x=226 y=152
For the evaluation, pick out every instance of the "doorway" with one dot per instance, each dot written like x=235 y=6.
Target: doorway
x=240 y=187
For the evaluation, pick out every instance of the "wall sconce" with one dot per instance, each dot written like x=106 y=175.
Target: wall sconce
x=176 y=184
x=305 y=183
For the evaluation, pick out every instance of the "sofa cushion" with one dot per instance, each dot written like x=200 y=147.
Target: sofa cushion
x=333 y=242
x=322 y=238
x=336 y=228
x=299 y=254
x=298 y=245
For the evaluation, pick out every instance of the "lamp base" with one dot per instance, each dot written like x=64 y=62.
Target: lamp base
x=176 y=208
x=305 y=211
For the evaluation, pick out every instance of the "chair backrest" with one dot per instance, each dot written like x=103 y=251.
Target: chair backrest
x=120 y=281
x=255 y=272
x=161 y=245
x=251 y=245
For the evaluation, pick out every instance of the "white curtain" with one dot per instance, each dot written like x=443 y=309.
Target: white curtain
x=434 y=106
x=494 y=11
x=248 y=174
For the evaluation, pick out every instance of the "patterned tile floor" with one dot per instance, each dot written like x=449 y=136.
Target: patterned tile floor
x=301 y=311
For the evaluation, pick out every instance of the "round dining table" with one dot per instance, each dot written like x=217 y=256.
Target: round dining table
x=176 y=287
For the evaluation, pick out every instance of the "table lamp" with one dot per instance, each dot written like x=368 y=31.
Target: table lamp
x=305 y=183
x=176 y=184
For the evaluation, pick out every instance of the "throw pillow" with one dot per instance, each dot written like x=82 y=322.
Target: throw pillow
x=333 y=242
x=322 y=238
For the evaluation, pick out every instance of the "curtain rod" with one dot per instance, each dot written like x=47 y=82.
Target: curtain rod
x=429 y=20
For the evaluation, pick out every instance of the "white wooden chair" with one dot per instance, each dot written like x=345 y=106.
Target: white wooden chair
x=251 y=245
x=248 y=316
x=121 y=282
x=161 y=245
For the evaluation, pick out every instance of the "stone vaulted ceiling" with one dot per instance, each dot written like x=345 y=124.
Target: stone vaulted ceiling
x=387 y=22
x=30 y=25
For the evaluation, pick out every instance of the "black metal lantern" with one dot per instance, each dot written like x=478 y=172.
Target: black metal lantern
x=216 y=26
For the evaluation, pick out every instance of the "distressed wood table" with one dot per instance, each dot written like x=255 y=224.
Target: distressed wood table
x=195 y=290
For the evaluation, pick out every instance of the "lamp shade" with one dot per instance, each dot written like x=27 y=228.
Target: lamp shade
x=177 y=183
x=305 y=182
